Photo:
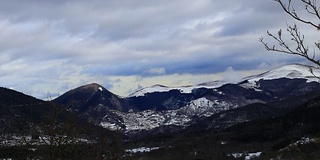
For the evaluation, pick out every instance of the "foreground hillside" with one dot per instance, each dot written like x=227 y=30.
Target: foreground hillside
x=35 y=129
x=19 y=111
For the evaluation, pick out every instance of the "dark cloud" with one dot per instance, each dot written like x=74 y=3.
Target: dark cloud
x=73 y=42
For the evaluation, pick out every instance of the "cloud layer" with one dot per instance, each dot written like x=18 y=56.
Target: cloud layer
x=53 y=46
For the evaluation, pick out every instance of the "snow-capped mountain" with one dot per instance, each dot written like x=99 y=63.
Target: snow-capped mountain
x=213 y=101
x=292 y=71
x=182 y=89
x=159 y=106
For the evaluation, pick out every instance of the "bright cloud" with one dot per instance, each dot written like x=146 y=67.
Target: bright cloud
x=156 y=71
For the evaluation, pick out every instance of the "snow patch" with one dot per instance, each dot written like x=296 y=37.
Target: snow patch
x=142 y=149
x=146 y=120
x=247 y=156
x=18 y=140
x=150 y=119
x=302 y=141
x=182 y=89
x=204 y=107
x=111 y=126
x=251 y=85
x=236 y=155
x=289 y=71
x=252 y=155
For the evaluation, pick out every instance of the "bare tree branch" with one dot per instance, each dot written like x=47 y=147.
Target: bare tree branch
x=310 y=6
x=298 y=46
x=298 y=39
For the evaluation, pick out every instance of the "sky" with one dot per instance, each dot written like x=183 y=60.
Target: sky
x=49 y=47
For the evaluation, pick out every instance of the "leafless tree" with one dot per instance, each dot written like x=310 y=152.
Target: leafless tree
x=297 y=44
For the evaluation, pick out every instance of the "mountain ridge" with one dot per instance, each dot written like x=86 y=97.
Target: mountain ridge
x=158 y=106
x=97 y=105
x=285 y=71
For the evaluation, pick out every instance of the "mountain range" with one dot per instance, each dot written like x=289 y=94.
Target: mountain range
x=157 y=107
x=212 y=105
x=274 y=112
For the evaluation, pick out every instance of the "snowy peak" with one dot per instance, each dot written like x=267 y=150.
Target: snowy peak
x=291 y=71
x=92 y=102
x=182 y=89
x=82 y=93
x=94 y=87
x=154 y=88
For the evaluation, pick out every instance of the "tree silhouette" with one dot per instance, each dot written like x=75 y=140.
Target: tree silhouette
x=299 y=47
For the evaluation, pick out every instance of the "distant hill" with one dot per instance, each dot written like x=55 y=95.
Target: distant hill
x=92 y=102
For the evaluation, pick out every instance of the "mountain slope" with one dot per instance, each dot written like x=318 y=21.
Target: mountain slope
x=293 y=135
x=23 y=114
x=92 y=102
x=302 y=121
x=19 y=111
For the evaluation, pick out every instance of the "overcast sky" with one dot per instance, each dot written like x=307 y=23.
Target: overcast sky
x=51 y=46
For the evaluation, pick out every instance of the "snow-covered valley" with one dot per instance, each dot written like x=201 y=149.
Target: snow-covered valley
x=150 y=119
